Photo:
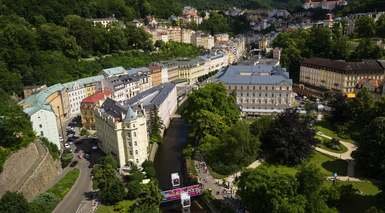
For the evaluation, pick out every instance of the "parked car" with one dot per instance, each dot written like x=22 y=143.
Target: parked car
x=94 y=147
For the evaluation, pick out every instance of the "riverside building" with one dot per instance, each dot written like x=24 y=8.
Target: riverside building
x=259 y=89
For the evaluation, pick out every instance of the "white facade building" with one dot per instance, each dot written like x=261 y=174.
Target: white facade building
x=122 y=132
x=44 y=125
x=128 y=84
x=77 y=91
x=259 y=89
x=162 y=98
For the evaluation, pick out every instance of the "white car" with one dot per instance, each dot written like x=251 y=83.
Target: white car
x=94 y=147
x=67 y=146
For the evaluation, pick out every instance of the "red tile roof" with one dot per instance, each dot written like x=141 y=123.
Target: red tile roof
x=97 y=97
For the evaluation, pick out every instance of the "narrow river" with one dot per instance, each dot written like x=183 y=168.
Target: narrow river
x=169 y=157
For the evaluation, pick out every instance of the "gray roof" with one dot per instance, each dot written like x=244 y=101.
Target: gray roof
x=113 y=71
x=257 y=74
x=38 y=101
x=119 y=111
x=152 y=97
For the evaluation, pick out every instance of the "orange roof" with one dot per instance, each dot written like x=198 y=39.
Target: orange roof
x=97 y=97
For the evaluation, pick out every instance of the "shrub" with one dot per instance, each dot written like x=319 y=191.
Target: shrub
x=66 y=158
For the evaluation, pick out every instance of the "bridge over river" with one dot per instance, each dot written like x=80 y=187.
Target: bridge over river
x=169 y=160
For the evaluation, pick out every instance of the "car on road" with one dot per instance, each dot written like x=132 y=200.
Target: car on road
x=94 y=147
x=67 y=146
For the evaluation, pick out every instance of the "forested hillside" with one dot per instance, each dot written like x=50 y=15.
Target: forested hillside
x=249 y=4
x=43 y=42
x=359 y=6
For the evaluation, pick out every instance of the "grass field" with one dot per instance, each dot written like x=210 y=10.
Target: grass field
x=327 y=130
x=61 y=188
x=323 y=145
x=326 y=164
x=122 y=206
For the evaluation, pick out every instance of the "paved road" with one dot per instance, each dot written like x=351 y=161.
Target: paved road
x=77 y=194
x=344 y=156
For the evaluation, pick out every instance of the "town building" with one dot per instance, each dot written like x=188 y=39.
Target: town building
x=122 y=131
x=125 y=84
x=259 y=89
x=215 y=61
x=159 y=74
x=221 y=38
x=105 y=22
x=321 y=74
x=204 y=40
x=324 y=4
x=190 y=15
x=80 y=89
x=88 y=107
x=30 y=90
x=48 y=110
x=191 y=69
x=161 y=99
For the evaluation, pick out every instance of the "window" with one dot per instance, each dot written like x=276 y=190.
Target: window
x=137 y=161
x=41 y=126
x=136 y=152
x=41 y=133
x=130 y=152
x=134 y=133
x=135 y=143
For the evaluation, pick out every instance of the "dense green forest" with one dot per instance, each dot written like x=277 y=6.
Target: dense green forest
x=250 y=4
x=359 y=6
x=44 y=42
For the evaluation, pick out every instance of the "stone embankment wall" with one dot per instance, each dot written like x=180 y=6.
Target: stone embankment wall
x=29 y=171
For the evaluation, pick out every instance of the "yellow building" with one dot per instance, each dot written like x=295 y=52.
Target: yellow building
x=88 y=107
x=90 y=89
x=320 y=74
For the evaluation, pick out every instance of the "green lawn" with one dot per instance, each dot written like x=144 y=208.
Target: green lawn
x=122 y=206
x=61 y=188
x=326 y=164
x=366 y=187
x=329 y=165
x=323 y=145
x=326 y=129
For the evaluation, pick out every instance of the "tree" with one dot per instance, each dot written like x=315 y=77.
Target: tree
x=270 y=192
x=149 y=200
x=289 y=140
x=111 y=189
x=156 y=126
x=369 y=154
x=366 y=49
x=237 y=147
x=149 y=169
x=310 y=181
x=13 y=202
x=365 y=27
x=260 y=125
x=380 y=27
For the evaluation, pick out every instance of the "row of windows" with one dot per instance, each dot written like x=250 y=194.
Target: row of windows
x=261 y=94
x=264 y=101
x=254 y=87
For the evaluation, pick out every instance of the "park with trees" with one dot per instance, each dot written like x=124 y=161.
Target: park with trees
x=128 y=193
x=285 y=142
x=331 y=43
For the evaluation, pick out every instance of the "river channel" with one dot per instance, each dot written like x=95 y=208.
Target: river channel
x=169 y=159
